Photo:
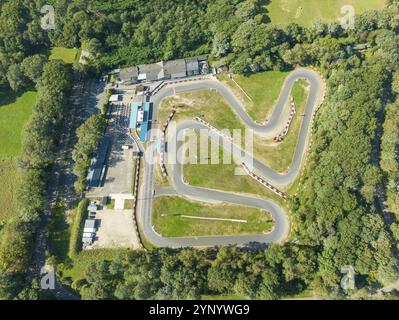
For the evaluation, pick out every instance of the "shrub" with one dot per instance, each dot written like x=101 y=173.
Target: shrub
x=77 y=228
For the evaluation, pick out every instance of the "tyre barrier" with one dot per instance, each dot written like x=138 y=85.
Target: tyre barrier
x=282 y=135
x=163 y=141
x=264 y=183
x=135 y=198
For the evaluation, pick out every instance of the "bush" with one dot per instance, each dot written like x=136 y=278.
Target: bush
x=104 y=109
x=77 y=228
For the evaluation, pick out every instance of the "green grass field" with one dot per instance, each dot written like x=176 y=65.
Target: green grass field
x=14 y=113
x=222 y=177
x=263 y=88
x=305 y=12
x=13 y=116
x=65 y=54
x=207 y=104
x=168 y=218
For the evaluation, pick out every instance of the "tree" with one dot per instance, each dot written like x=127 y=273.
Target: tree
x=32 y=66
x=16 y=78
x=89 y=135
x=395 y=82
x=268 y=286
x=247 y=10
x=221 y=45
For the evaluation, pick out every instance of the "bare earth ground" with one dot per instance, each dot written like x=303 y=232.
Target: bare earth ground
x=115 y=230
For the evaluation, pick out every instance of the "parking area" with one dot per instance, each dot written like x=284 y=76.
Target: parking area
x=119 y=170
x=115 y=229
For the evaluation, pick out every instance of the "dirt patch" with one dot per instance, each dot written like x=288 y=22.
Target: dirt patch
x=115 y=230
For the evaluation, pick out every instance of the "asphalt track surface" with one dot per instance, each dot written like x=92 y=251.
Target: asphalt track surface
x=281 y=228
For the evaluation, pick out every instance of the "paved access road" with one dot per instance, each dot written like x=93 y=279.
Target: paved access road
x=281 y=228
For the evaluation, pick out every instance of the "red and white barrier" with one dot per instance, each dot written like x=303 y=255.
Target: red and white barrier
x=281 y=136
x=210 y=127
x=263 y=182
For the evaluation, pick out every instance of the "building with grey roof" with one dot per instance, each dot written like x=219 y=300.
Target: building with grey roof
x=175 y=69
x=151 y=72
x=159 y=71
x=193 y=68
x=129 y=75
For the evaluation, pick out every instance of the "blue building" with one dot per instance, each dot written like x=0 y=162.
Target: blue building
x=146 y=125
x=134 y=110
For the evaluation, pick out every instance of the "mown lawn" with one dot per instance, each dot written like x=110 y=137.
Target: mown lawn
x=263 y=88
x=168 y=218
x=207 y=104
x=65 y=54
x=305 y=12
x=14 y=113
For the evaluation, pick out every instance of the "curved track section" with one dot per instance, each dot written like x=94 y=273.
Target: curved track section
x=281 y=228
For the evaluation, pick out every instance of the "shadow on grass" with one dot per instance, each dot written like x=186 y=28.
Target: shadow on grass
x=59 y=234
x=8 y=96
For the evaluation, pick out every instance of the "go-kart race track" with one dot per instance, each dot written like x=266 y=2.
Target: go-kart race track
x=281 y=228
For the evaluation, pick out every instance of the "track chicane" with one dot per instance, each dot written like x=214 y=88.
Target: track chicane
x=282 y=135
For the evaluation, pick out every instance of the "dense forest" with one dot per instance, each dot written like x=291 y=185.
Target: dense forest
x=337 y=215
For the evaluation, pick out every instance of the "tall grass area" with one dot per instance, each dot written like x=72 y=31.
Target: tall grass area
x=305 y=12
x=14 y=113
